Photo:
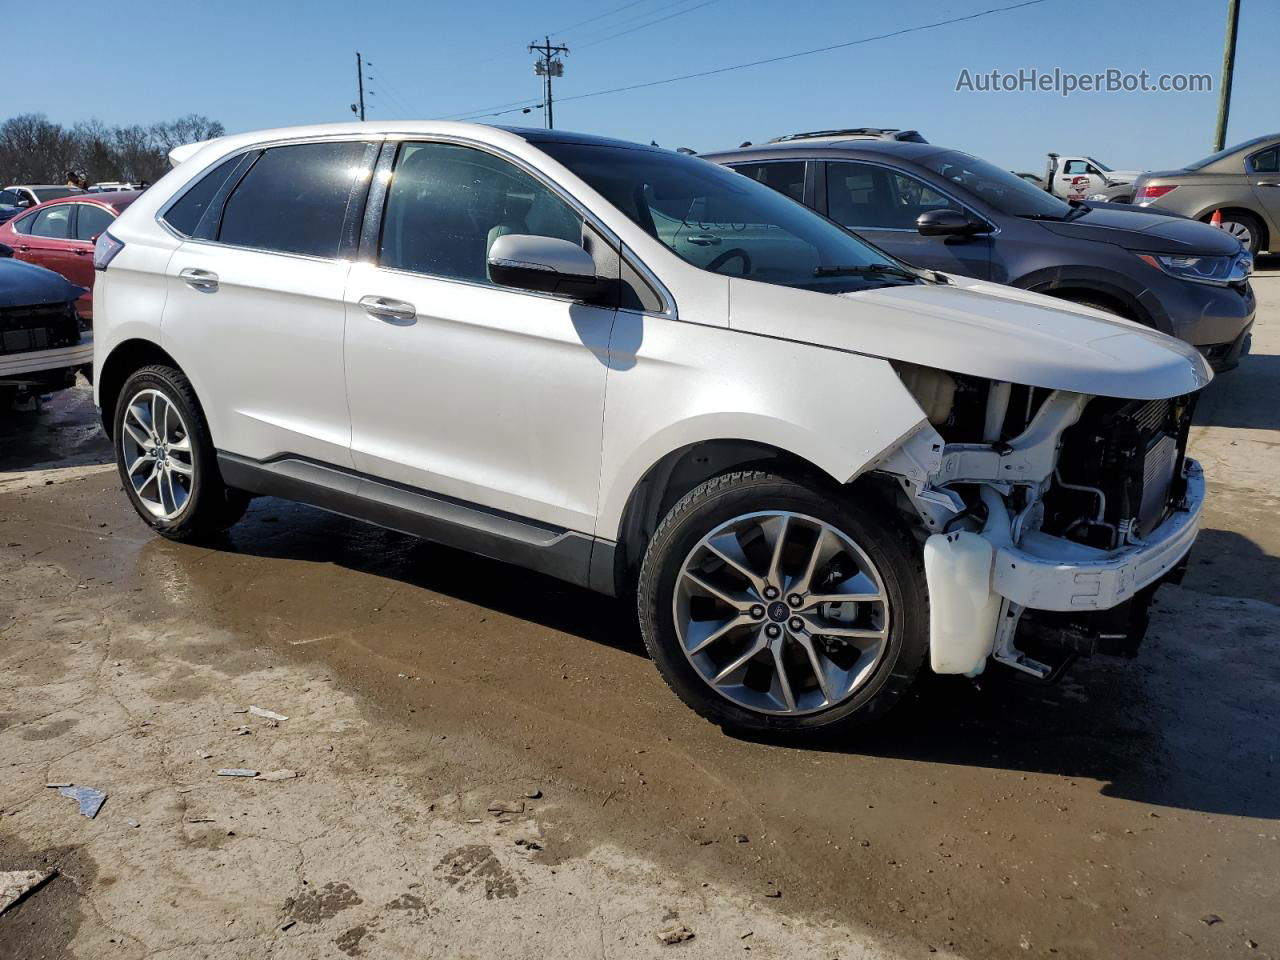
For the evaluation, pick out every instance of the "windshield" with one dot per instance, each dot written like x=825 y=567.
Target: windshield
x=10 y=198
x=1215 y=157
x=727 y=223
x=53 y=193
x=1003 y=190
x=1101 y=166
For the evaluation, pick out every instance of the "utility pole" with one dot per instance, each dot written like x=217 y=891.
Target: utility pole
x=547 y=66
x=359 y=84
x=1228 y=68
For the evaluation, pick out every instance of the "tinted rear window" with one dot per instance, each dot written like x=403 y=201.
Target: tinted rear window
x=294 y=199
x=92 y=220
x=185 y=214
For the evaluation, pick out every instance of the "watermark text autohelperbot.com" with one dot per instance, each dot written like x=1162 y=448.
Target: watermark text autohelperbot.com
x=1065 y=83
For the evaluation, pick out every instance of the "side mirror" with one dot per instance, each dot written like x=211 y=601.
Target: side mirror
x=946 y=222
x=24 y=202
x=546 y=265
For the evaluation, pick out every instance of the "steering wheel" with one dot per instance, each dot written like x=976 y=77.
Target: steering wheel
x=715 y=265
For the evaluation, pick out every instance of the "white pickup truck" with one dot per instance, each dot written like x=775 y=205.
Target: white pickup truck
x=1081 y=177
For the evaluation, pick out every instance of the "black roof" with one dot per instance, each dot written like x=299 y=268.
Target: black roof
x=540 y=135
x=813 y=150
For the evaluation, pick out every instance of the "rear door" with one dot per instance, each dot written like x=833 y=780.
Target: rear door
x=255 y=297
x=47 y=239
x=1264 y=176
x=881 y=204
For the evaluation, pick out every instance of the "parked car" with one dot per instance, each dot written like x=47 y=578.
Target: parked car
x=813 y=466
x=38 y=193
x=12 y=203
x=42 y=341
x=947 y=210
x=1116 y=193
x=1076 y=177
x=1241 y=184
x=60 y=234
x=113 y=186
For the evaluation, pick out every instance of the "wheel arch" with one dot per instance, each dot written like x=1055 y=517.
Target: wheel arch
x=1067 y=285
x=682 y=469
x=126 y=357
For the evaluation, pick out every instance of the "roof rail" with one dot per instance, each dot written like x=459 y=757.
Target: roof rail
x=882 y=133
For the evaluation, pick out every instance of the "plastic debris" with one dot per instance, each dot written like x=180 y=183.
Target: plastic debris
x=279 y=775
x=236 y=772
x=267 y=714
x=56 y=785
x=16 y=884
x=90 y=800
x=132 y=822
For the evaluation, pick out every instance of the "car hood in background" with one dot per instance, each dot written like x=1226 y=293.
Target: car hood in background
x=1140 y=229
x=982 y=329
x=1123 y=176
x=27 y=285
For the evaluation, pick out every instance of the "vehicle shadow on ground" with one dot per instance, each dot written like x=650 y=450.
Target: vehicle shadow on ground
x=278 y=529
x=1247 y=397
x=62 y=431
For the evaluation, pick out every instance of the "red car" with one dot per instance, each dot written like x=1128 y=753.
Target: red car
x=59 y=234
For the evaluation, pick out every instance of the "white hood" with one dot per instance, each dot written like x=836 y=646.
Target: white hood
x=981 y=329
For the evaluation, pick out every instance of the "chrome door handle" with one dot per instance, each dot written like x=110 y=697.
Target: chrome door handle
x=200 y=279
x=384 y=308
x=1269 y=183
x=704 y=240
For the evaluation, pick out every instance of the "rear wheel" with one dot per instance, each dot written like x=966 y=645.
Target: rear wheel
x=166 y=458
x=777 y=607
x=1245 y=227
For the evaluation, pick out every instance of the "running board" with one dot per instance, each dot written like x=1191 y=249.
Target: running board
x=555 y=551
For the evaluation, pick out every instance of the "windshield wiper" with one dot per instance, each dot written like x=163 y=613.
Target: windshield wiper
x=866 y=269
x=1078 y=209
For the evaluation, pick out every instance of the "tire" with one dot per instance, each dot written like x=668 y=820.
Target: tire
x=1247 y=223
x=186 y=499
x=861 y=551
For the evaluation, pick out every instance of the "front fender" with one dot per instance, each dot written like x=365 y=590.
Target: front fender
x=685 y=384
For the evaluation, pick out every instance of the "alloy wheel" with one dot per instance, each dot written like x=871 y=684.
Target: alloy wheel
x=1240 y=231
x=157 y=454
x=781 y=613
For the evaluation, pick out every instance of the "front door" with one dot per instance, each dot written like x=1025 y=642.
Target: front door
x=457 y=386
x=882 y=204
x=47 y=240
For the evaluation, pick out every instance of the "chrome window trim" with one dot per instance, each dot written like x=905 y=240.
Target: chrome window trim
x=884 y=166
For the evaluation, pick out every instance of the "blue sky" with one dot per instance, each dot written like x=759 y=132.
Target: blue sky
x=267 y=63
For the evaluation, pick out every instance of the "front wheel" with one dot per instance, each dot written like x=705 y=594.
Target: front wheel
x=772 y=606
x=166 y=457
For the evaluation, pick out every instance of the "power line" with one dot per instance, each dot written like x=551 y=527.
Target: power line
x=388 y=87
x=600 y=16
x=787 y=56
x=623 y=33
x=599 y=31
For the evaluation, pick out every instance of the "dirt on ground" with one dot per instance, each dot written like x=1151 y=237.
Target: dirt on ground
x=479 y=761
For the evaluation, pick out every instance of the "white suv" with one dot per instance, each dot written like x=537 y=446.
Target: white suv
x=813 y=465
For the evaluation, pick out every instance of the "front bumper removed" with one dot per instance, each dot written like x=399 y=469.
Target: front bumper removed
x=974 y=582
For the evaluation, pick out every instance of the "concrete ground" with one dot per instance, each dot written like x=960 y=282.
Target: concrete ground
x=1130 y=811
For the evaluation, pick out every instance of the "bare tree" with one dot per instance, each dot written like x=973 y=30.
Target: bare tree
x=34 y=149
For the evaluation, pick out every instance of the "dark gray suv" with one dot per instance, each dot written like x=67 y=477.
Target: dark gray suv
x=946 y=210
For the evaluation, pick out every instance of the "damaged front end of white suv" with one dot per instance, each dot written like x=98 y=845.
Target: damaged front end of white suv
x=1050 y=517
